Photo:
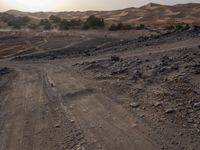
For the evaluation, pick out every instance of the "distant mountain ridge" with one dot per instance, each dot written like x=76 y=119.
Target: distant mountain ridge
x=150 y=14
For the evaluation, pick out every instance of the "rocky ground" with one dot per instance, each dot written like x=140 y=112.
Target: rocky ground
x=100 y=90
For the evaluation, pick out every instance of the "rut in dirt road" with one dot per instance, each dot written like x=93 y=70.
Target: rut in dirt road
x=106 y=125
x=53 y=108
x=32 y=118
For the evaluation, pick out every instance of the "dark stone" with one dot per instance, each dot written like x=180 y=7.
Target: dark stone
x=119 y=71
x=196 y=68
x=169 y=111
x=197 y=105
x=4 y=70
x=115 y=58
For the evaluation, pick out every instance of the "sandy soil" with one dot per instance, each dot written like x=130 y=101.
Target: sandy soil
x=151 y=14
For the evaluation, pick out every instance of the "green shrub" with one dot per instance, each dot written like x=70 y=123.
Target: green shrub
x=47 y=26
x=127 y=27
x=15 y=22
x=55 y=19
x=120 y=26
x=45 y=23
x=141 y=27
x=64 y=25
x=93 y=22
x=179 y=27
x=26 y=19
x=6 y=17
x=75 y=23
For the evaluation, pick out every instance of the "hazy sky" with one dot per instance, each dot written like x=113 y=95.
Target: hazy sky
x=68 y=5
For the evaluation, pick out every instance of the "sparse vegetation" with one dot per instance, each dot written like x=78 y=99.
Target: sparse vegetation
x=64 y=25
x=75 y=23
x=46 y=24
x=55 y=19
x=178 y=27
x=182 y=27
x=141 y=27
x=15 y=22
x=120 y=26
x=33 y=26
x=170 y=27
x=65 y=88
x=6 y=17
x=93 y=22
x=114 y=27
x=18 y=22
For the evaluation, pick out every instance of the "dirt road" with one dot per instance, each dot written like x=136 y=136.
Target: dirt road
x=99 y=91
x=51 y=108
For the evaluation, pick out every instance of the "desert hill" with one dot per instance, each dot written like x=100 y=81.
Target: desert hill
x=150 y=14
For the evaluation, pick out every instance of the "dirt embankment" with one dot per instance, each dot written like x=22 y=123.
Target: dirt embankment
x=163 y=81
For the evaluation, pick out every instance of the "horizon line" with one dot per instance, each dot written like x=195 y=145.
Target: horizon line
x=136 y=7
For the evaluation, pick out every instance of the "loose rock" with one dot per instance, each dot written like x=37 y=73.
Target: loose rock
x=169 y=111
x=134 y=105
x=57 y=125
x=115 y=58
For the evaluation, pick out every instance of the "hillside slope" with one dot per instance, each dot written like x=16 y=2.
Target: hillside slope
x=152 y=14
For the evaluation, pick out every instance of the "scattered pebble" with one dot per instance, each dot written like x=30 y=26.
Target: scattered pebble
x=133 y=125
x=134 y=105
x=57 y=125
x=169 y=111
x=72 y=121
x=197 y=105
x=115 y=58
x=156 y=103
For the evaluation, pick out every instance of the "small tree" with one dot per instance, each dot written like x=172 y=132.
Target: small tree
x=6 y=17
x=47 y=26
x=94 y=22
x=45 y=23
x=75 y=23
x=26 y=19
x=16 y=22
x=55 y=19
x=64 y=25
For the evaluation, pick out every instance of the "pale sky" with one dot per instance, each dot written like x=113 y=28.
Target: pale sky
x=81 y=5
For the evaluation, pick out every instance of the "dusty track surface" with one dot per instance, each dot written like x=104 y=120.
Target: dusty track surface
x=61 y=91
x=45 y=109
